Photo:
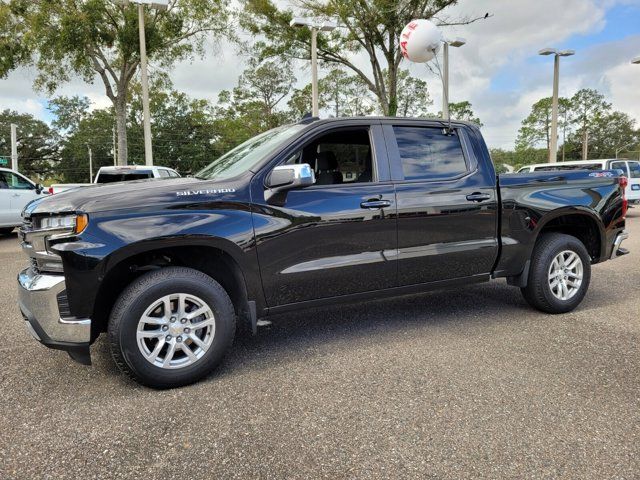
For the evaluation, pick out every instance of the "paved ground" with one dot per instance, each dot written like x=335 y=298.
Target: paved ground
x=467 y=385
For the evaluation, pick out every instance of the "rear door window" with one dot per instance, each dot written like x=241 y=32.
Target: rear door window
x=163 y=173
x=620 y=166
x=429 y=153
x=634 y=169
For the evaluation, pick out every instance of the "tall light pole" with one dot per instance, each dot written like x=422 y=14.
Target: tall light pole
x=458 y=42
x=636 y=61
x=315 y=27
x=90 y=163
x=14 y=147
x=159 y=5
x=553 y=143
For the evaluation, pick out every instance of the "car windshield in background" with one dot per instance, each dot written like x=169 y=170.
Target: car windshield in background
x=245 y=156
x=112 y=177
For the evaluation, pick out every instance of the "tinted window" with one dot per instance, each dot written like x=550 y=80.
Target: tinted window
x=112 y=177
x=429 y=153
x=634 y=169
x=620 y=166
x=585 y=166
x=14 y=182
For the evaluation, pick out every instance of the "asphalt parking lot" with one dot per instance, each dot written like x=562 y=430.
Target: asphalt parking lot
x=471 y=384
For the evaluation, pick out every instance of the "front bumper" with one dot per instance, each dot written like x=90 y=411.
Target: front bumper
x=38 y=298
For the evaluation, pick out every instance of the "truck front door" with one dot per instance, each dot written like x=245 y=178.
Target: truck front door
x=446 y=201
x=336 y=237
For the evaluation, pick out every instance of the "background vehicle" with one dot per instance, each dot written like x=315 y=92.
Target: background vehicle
x=16 y=191
x=305 y=215
x=631 y=169
x=119 y=174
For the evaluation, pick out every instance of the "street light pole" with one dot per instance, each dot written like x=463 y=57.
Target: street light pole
x=458 y=42
x=14 y=147
x=315 y=28
x=314 y=72
x=90 y=164
x=148 y=152
x=553 y=142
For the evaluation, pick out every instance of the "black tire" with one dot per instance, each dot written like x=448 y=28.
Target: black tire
x=538 y=292
x=6 y=231
x=138 y=296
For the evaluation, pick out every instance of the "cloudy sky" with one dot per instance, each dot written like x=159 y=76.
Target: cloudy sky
x=498 y=70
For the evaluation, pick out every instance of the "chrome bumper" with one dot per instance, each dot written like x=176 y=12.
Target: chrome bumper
x=38 y=299
x=617 y=251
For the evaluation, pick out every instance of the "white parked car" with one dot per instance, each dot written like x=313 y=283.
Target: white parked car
x=119 y=174
x=630 y=168
x=16 y=191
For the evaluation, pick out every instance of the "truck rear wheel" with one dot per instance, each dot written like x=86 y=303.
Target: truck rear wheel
x=171 y=327
x=6 y=231
x=559 y=274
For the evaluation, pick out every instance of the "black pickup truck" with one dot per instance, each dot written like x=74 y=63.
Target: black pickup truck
x=309 y=214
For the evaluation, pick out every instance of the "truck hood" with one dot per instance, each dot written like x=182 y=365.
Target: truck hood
x=127 y=195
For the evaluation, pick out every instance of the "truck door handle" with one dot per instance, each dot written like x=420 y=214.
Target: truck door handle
x=478 y=197
x=375 y=203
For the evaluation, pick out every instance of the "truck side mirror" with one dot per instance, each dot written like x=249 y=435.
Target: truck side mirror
x=39 y=188
x=286 y=177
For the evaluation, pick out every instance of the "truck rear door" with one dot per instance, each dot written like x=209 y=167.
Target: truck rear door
x=446 y=202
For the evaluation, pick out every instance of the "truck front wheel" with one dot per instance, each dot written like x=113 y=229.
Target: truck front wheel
x=559 y=274
x=171 y=327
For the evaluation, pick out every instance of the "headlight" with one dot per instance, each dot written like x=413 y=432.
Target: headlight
x=72 y=223
x=68 y=222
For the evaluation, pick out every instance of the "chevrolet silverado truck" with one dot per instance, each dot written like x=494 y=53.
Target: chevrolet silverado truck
x=305 y=215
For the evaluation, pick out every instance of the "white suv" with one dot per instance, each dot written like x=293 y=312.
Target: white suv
x=16 y=191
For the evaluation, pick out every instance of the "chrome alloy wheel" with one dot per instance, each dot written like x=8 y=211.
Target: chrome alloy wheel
x=565 y=275
x=176 y=331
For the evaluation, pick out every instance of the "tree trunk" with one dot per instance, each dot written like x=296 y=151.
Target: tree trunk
x=585 y=144
x=393 y=90
x=120 y=106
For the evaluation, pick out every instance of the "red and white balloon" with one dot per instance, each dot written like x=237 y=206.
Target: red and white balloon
x=420 y=41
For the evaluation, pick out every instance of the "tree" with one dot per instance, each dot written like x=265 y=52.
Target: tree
x=185 y=137
x=463 y=111
x=536 y=128
x=266 y=83
x=69 y=38
x=609 y=133
x=589 y=107
x=372 y=28
x=413 y=96
x=37 y=143
x=344 y=95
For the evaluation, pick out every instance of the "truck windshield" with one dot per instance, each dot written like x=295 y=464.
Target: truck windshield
x=246 y=155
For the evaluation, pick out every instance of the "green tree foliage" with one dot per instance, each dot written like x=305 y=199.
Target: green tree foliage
x=92 y=38
x=413 y=96
x=463 y=111
x=589 y=108
x=81 y=129
x=185 y=137
x=256 y=103
x=372 y=28
x=536 y=128
x=37 y=144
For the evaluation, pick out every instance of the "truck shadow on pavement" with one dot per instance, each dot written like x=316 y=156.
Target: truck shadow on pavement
x=302 y=335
